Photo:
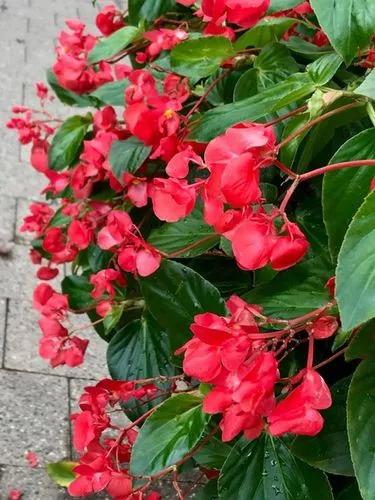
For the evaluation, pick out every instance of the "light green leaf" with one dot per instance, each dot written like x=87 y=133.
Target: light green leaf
x=355 y=275
x=324 y=69
x=67 y=142
x=127 y=156
x=168 y=435
x=367 y=87
x=280 y=5
x=112 y=93
x=349 y=24
x=201 y=57
x=361 y=427
x=113 y=317
x=62 y=472
x=112 y=45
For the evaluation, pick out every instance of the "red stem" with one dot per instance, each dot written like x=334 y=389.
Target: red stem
x=296 y=111
x=310 y=355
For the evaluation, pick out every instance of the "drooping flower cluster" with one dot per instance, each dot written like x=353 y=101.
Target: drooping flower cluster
x=238 y=361
x=105 y=448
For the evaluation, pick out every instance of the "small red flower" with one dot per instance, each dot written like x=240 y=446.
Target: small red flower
x=324 y=327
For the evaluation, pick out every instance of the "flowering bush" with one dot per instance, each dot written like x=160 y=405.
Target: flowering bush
x=216 y=208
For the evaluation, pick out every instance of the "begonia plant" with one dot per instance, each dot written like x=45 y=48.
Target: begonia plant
x=212 y=197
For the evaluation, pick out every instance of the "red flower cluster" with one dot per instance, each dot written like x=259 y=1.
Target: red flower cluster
x=104 y=463
x=229 y=354
x=56 y=345
x=109 y=20
x=161 y=39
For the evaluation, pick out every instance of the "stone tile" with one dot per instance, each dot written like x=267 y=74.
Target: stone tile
x=34 y=484
x=7 y=218
x=3 y=318
x=34 y=417
x=22 y=329
x=17 y=274
x=19 y=179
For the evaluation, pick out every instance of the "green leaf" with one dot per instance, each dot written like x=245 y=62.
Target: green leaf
x=306 y=49
x=108 y=47
x=127 y=156
x=208 y=492
x=341 y=338
x=216 y=121
x=175 y=294
x=363 y=343
x=149 y=9
x=294 y=292
x=329 y=450
x=168 y=435
x=190 y=232
x=59 y=219
x=349 y=24
x=201 y=57
x=324 y=69
x=78 y=289
x=265 y=469
x=62 y=472
x=113 y=317
x=269 y=29
x=280 y=5
x=367 y=87
x=67 y=96
x=344 y=190
x=361 y=427
x=273 y=65
x=355 y=275
x=98 y=259
x=289 y=151
x=246 y=86
x=213 y=454
x=112 y=93
x=67 y=142
x=350 y=493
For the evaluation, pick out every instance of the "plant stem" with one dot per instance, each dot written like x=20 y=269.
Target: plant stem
x=319 y=119
x=296 y=111
x=332 y=358
x=336 y=166
x=189 y=247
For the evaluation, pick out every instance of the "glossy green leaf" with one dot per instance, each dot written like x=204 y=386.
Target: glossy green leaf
x=201 y=57
x=367 y=87
x=246 y=86
x=329 y=450
x=280 y=5
x=265 y=469
x=344 y=190
x=349 y=24
x=175 y=294
x=112 y=93
x=148 y=9
x=67 y=142
x=356 y=268
x=361 y=426
x=62 y=472
x=108 y=47
x=78 y=289
x=127 y=156
x=191 y=233
x=168 y=435
x=216 y=121
x=294 y=292
x=324 y=69
x=273 y=65
x=363 y=343
x=213 y=454
x=306 y=49
x=269 y=29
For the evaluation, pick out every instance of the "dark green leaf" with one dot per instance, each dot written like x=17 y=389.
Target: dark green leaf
x=213 y=454
x=361 y=426
x=67 y=142
x=273 y=65
x=216 y=121
x=367 y=88
x=247 y=85
x=59 y=219
x=306 y=49
x=148 y=9
x=329 y=450
x=280 y=5
x=66 y=96
x=341 y=338
x=97 y=258
x=344 y=190
x=265 y=469
x=294 y=292
x=78 y=289
x=168 y=435
x=175 y=294
x=127 y=156
x=324 y=69
x=289 y=151
x=189 y=232
x=363 y=343
x=349 y=24
x=350 y=493
x=62 y=472
x=201 y=57
x=208 y=492
x=108 y=47
x=112 y=93
x=355 y=275
x=269 y=29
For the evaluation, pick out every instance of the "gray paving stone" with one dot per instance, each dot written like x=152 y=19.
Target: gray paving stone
x=17 y=274
x=7 y=218
x=34 y=484
x=19 y=179
x=34 y=417
x=3 y=315
x=22 y=329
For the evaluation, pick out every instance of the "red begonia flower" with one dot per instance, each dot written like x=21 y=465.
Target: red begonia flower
x=289 y=249
x=324 y=327
x=109 y=20
x=172 y=199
